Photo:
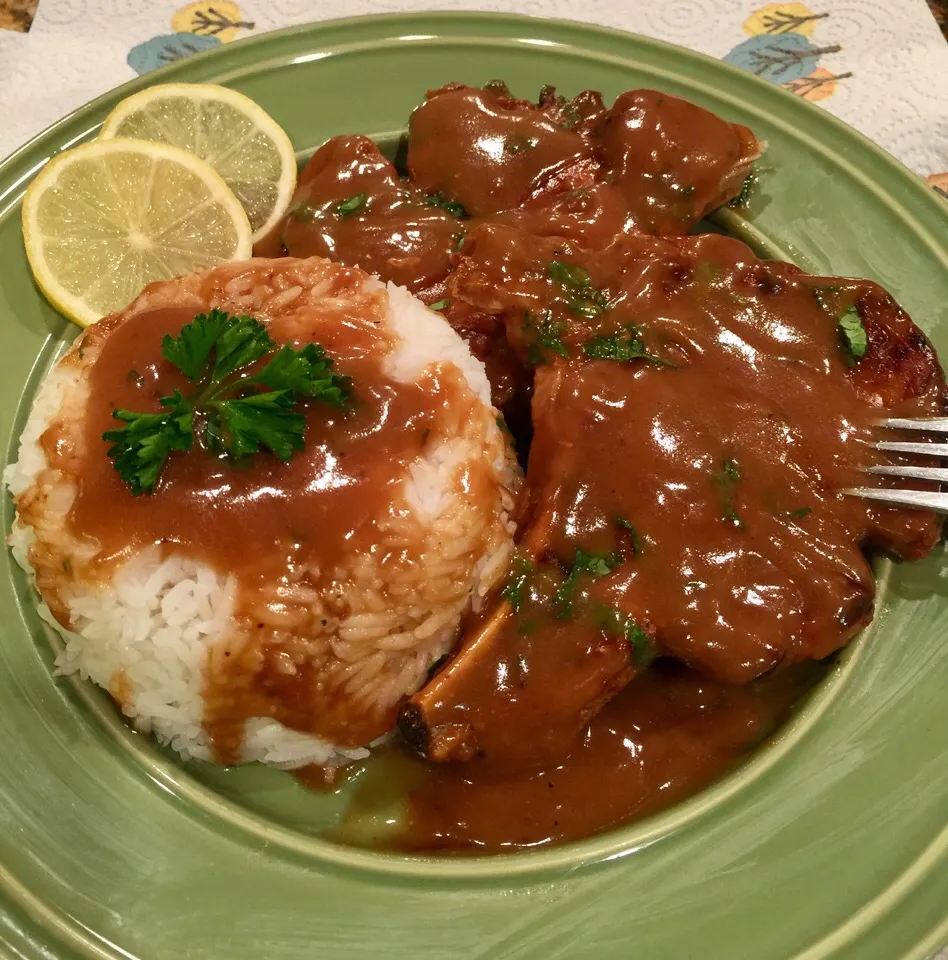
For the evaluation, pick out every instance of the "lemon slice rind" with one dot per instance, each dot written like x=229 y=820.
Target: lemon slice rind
x=135 y=116
x=79 y=209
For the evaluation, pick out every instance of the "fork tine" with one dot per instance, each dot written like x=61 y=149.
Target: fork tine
x=936 y=424
x=919 y=499
x=927 y=449
x=938 y=474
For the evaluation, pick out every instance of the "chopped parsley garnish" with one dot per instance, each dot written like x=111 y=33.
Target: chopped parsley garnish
x=633 y=535
x=459 y=238
x=799 y=513
x=625 y=625
x=519 y=574
x=547 y=94
x=570 y=115
x=587 y=301
x=587 y=309
x=748 y=189
x=440 y=304
x=592 y=564
x=519 y=144
x=726 y=480
x=546 y=334
x=622 y=347
x=549 y=334
x=567 y=108
x=852 y=332
x=570 y=275
x=238 y=413
x=351 y=206
x=855 y=339
x=451 y=206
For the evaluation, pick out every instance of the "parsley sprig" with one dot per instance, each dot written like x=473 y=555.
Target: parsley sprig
x=520 y=572
x=544 y=335
x=231 y=412
x=614 y=621
x=585 y=300
x=452 y=207
x=622 y=347
x=588 y=564
x=726 y=480
x=855 y=338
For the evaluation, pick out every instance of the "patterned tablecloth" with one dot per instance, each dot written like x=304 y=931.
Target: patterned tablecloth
x=880 y=65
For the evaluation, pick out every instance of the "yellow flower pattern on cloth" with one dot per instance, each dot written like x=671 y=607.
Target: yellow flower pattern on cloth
x=780 y=49
x=211 y=18
x=197 y=27
x=783 y=18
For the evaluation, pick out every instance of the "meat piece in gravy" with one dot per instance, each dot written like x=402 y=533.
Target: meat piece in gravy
x=651 y=163
x=351 y=206
x=566 y=168
x=697 y=413
x=491 y=152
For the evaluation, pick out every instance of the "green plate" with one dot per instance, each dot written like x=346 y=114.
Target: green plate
x=830 y=842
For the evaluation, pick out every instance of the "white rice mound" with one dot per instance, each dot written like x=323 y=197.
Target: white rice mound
x=149 y=634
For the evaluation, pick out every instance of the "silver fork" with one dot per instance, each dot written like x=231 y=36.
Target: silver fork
x=920 y=499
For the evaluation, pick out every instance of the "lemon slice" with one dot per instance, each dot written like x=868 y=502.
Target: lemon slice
x=104 y=219
x=242 y=142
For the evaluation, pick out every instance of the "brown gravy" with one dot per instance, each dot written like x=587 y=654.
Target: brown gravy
x=707 y=481
x=270 y=525
x=491 y=152
x=650 y=163
x=387 y=228
x=294 y=512
x=670 y=733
